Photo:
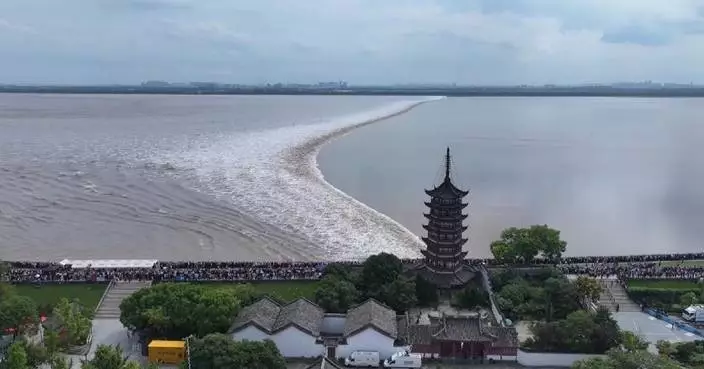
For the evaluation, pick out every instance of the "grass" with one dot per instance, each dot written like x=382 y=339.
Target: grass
x=672 y=284
x=285 y=291
x=49 y=294
x=684 y=264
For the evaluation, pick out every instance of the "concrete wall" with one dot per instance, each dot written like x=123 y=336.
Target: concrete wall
x=550 y=359
x=293 y=342
x=251 y=333
x=368 y=340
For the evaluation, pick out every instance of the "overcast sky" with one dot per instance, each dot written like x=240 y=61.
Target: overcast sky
x=360 y=41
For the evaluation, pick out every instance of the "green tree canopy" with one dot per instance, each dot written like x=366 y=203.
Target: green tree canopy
x=618 y=359
x=471 y=297
x=336 y=295
x=18 y=313
x=379 y=270
x=426 y=292
x=219 y=351
x=522 y=245
x=588 y=288
x=177 y=310
x=580 y=332
x=74 y=321
x=15 y=357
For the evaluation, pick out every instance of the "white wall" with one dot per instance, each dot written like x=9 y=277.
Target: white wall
x=293 y=342
x=368 y=340
x=251 y=333
x=550 y=359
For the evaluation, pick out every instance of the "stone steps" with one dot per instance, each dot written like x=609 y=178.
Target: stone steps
x=615 y=295
x=110 y=306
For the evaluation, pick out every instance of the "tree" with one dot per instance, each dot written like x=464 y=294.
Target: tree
x=471 y=297
x=177 y=310
x=561 y=298
x=618 y=359
x=339 y=270
x=106 y=357
x=379 y=270
x=36 y=353
x=336 y=295
x=665 y=348
x=631 y=342
x=18 y=313
x=426 y=292
x=580 y=332
x=399 y=295
x=219 y=351
x=689 y=298
x=547 y=242
x=60 y=362
x=522 y=245
x=15 y=358
x=588 y=288
x=74 y=322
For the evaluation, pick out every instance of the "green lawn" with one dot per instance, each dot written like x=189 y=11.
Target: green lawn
x=685 y=263
x=286 y=291
x=50 y=294
x=663 y=283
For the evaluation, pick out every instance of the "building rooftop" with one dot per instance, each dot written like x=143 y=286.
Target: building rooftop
x=371 y=313
x=302 y=313
x=262 y=313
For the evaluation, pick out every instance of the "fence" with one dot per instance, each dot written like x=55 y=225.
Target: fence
x=680 y=325
x=494 y=307
x=542 y=359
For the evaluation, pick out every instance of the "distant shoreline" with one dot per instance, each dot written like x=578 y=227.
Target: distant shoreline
x=679 y=92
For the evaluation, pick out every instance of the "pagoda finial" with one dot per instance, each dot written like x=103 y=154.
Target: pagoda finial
x=447 y=164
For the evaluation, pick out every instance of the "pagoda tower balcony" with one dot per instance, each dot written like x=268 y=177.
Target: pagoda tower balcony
x=445 y=218
x=435 y=205
x=459 y=242
x=432 y=227
x=445 y=257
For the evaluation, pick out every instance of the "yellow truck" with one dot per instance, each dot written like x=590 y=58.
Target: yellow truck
x=167 y=352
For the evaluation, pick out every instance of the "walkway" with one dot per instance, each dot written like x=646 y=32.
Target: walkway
x=615 y=295
x=110 y=306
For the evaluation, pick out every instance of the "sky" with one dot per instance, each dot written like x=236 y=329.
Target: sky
x=359 y=41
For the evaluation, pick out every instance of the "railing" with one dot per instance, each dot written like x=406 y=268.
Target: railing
x=105 y=293
x=487 y=285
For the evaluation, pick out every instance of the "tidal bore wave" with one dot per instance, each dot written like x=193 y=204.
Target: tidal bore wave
x=273 y=175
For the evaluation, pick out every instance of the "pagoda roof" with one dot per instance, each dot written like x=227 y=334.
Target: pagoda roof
x=446 y=189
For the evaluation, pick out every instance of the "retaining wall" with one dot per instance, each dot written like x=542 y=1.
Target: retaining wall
x=551 y=359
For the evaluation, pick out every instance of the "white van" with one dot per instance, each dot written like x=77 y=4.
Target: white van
x=404 y=359
x=366 y=359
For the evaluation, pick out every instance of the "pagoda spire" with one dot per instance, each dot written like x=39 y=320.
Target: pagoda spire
x=447 y=164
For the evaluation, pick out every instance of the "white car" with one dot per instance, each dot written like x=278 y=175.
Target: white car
x=364 y=359
x=404 y=359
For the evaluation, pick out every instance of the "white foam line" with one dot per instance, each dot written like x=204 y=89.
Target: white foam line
x=274 y=175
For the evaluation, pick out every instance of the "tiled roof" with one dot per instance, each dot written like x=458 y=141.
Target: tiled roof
x=302 y=313
x=371 y=313
x=455 y=329
x=503 y=336
x=262 y=313
x=459 y=329
x=271 y=317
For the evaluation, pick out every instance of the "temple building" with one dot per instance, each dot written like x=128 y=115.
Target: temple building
x=444 y=264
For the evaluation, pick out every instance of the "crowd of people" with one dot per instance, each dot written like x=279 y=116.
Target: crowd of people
x=624 y=267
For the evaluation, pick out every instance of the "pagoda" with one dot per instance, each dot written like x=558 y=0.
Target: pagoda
x=444 y=264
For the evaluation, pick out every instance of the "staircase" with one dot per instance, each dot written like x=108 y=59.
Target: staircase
x=109 y=307
x=615 y=295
